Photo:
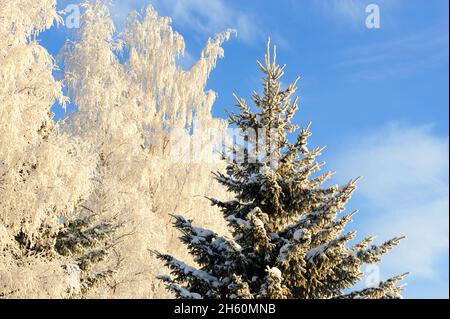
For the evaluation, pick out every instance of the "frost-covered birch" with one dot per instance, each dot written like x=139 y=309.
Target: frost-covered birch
x=149 y=124
x=44 y=173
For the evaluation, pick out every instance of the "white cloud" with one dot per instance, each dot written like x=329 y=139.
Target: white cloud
x=402 y=56
x=211 y=16
x=351 y=10
x=205 y=17
x=346 y=12
x=405 y=187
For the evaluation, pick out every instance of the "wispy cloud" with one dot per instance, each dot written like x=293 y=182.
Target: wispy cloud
x=209 y=17
x=348 y=11
x=198 y=16
x=405 y=187
x=403 y=56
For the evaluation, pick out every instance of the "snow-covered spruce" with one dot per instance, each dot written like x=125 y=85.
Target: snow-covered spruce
x=289 y=238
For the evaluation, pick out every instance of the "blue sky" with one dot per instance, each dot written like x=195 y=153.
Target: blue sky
x=378 y=98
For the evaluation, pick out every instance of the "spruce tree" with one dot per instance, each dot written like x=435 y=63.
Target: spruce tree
x=289 y=238
x=79 y=245
x=88 y=242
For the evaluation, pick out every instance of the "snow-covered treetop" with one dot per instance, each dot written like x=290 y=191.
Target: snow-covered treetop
x=289 y=238
x=22 y=19
x=39 y=168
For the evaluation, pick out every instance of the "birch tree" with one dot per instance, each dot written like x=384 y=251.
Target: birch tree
x=149 y=125
x=44 y=173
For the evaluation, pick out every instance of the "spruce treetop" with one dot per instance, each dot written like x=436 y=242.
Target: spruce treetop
x=289 y=238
